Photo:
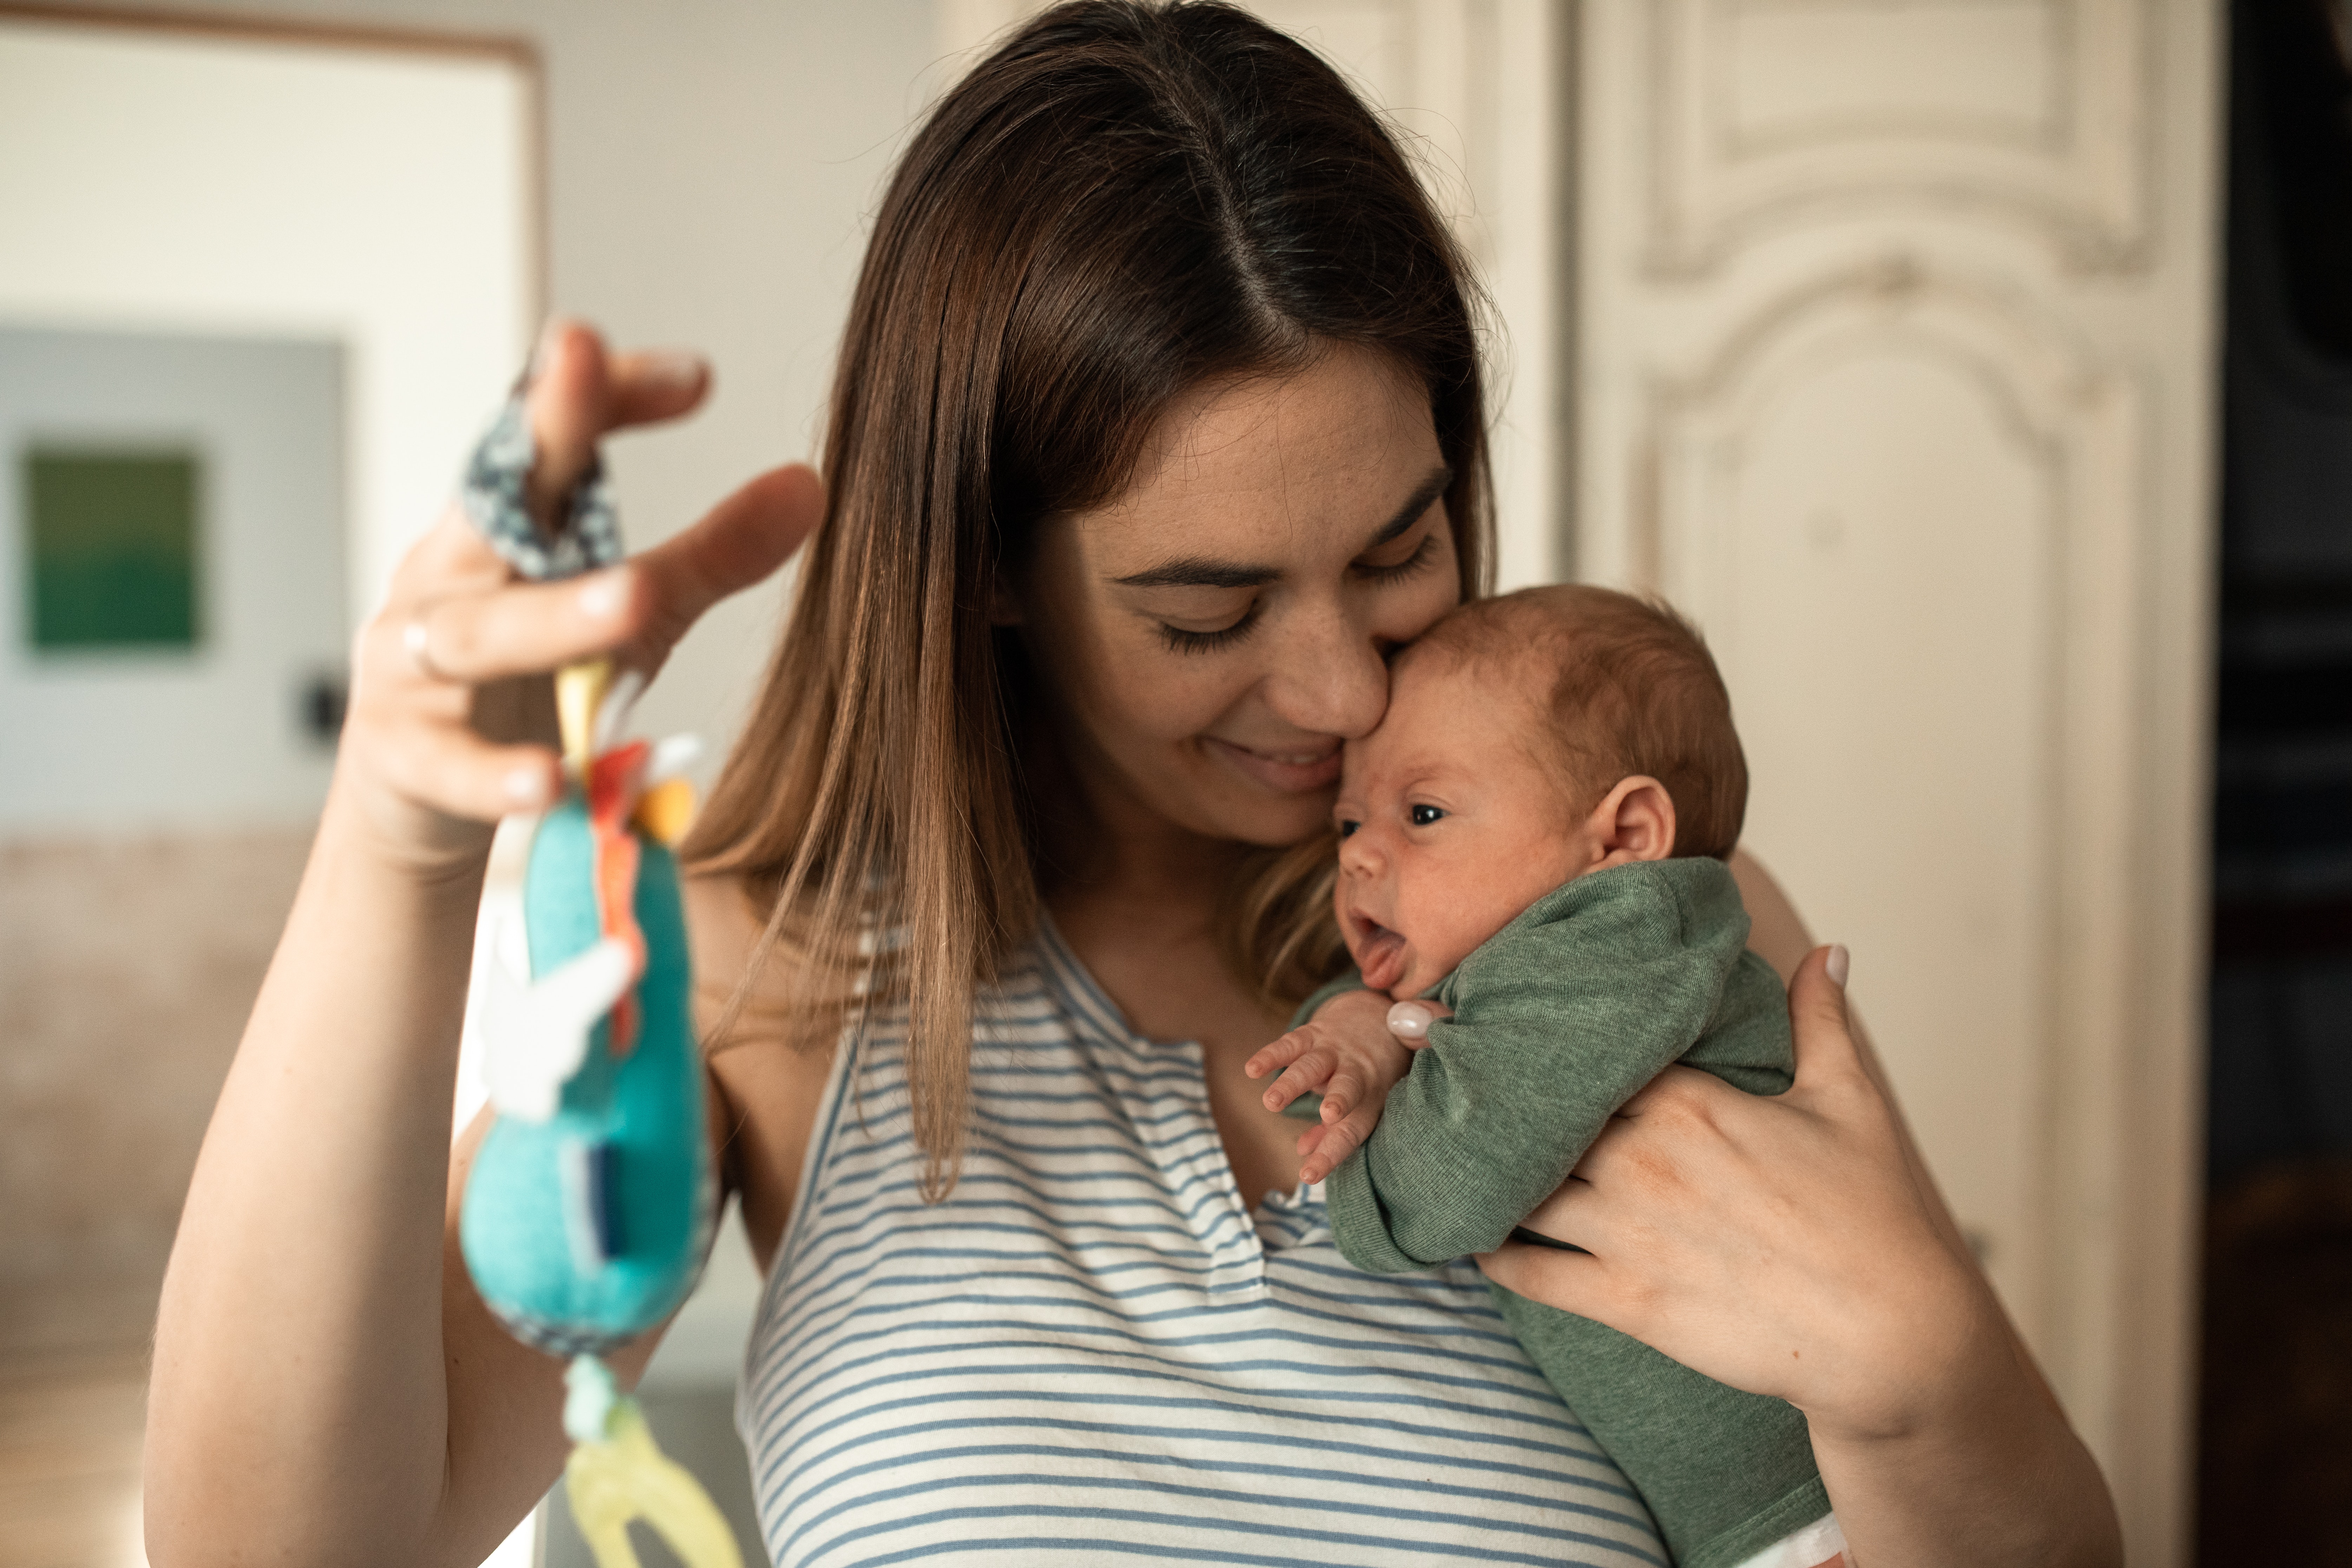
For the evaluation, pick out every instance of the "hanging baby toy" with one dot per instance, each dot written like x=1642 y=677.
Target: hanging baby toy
x=589 y=1209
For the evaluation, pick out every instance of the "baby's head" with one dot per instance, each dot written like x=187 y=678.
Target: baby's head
x=1530 y=740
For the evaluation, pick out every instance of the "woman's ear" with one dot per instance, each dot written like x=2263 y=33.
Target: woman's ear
x=1003 y=604
x=1634 y=821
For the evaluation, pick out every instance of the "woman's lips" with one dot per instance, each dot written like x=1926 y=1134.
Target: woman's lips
x=1295 y=772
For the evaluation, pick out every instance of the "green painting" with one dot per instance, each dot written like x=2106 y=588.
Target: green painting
x=112 y=547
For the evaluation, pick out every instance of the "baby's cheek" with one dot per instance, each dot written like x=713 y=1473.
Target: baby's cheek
x=1458 y=912
x=1488 y=877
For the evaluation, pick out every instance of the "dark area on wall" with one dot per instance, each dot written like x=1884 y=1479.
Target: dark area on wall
x=2276 y=1429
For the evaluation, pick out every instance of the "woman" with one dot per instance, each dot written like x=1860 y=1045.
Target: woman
x=1158 y=423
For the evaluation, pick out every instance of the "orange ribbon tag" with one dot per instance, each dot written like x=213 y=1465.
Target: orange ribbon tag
x=613 y=787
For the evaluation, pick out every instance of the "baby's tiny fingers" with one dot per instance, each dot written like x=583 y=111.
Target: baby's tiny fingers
x=1280 y=1053
x=1307 y=1072
x=1339 y=1139
x=1340 y=1095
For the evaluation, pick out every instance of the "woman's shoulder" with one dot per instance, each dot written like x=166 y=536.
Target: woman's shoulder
x=767 y=1085
x=724 y=926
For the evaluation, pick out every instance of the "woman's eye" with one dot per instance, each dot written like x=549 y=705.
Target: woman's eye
x=1398 y=570
x=1422 y=815
x=1182 y=641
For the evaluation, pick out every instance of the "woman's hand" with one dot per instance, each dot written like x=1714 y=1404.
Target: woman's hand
x=1777 y=1245
x=1784 y=1245
x=450 y=722
x=316 y=1272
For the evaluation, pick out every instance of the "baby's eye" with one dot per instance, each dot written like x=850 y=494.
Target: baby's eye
x=1422 y=815
x=1346 y=828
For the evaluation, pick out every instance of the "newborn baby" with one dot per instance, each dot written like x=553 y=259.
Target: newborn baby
x=1535 y=838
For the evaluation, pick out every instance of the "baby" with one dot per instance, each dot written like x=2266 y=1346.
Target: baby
x=1535 y=838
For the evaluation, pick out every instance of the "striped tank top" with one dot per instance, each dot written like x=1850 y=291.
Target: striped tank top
x=1093 y=1350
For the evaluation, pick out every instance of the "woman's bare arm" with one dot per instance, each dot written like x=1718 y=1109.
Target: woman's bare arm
x=326 y=1388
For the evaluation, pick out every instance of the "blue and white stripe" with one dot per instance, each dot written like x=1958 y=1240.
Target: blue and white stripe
x=1093 y=1351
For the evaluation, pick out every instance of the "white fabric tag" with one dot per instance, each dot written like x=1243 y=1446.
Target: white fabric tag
x=1810 y=1547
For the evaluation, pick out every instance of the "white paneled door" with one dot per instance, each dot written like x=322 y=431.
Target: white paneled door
x=1893 y=366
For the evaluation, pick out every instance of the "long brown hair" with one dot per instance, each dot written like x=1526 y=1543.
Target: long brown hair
x=1125 y=200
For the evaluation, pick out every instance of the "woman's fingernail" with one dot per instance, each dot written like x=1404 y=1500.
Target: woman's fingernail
x=601 y=595
x=1409 y=1021
x=1838 y=963
x=527 y=786
x=673 y=368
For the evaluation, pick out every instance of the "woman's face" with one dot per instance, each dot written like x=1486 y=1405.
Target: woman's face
x=1216 y=632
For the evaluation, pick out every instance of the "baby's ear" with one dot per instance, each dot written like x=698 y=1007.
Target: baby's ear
x=1634 y=821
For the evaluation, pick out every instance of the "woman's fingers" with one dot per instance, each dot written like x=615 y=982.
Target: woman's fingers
x=1567 y=1215
x=1827 y=1055
x=449 y=769
x=643 y=606
x=451 y=558
x=738 y=542
x=1569 y=1281
x=581 y=392
x=528 y=628
x=654 y=384
x=570 y=405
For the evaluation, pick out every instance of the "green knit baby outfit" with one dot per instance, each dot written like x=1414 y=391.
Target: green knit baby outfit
x=1559 y=1019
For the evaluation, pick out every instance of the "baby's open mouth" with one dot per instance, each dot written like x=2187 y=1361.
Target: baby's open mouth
x=1380 y=952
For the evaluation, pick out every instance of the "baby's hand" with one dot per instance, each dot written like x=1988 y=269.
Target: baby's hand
x=1351 y=1052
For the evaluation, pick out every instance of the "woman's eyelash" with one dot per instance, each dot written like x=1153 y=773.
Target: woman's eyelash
x=1406 y=567
x=1179 y=640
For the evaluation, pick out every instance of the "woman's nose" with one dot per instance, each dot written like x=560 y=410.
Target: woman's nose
x=1330 y=679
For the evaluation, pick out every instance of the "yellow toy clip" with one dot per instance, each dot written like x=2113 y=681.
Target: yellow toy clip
x=579 y=690
x=621 y=1476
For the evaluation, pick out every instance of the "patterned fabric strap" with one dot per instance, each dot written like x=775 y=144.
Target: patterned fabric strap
x=493 y=496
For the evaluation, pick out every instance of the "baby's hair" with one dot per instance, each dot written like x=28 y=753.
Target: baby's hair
x=1634 y=691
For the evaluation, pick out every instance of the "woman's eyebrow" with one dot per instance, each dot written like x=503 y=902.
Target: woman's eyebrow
x=1202 y=571
x=1441 y=479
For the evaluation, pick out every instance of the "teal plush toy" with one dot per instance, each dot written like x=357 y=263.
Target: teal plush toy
x=586 y=1229
x=588 y=1212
